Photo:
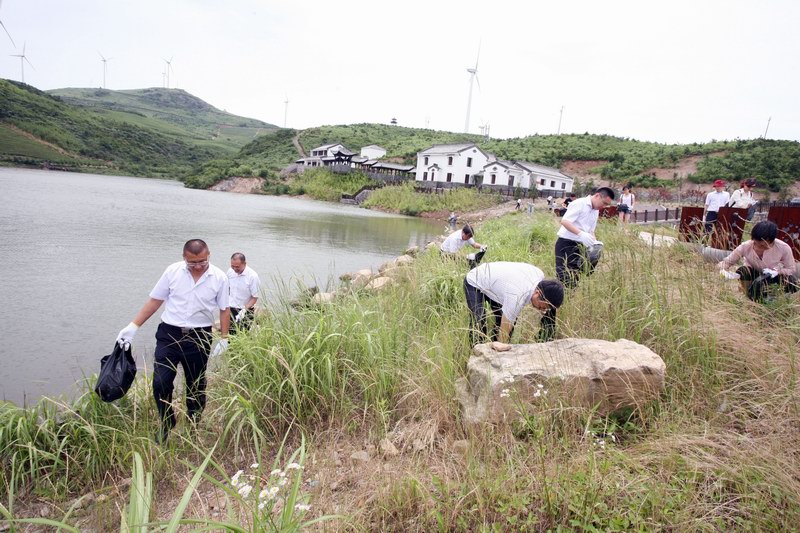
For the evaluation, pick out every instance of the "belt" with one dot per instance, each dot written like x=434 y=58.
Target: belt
x=188 y=330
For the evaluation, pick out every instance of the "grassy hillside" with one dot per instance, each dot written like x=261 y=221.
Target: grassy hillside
x=619 y=159
x=40 y=129
x=717 y=451
x=172 y=112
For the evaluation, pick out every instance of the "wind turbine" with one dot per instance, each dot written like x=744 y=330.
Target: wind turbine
x=285 y=110
x=105 y=65
x=22 y=60
x=4 y=27
x=168 y=68
x=473 y=77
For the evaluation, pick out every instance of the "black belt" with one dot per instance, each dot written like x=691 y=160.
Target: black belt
x=206 y=329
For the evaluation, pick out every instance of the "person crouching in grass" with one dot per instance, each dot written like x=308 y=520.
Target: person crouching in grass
x=767 y=261
x=508 y=287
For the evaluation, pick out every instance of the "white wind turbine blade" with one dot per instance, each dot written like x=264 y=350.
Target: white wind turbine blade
x=6 y=29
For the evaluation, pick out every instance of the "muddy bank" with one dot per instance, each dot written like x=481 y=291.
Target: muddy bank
x=240 y=185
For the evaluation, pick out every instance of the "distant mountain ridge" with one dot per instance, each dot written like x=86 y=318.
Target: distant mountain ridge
x=152 y=132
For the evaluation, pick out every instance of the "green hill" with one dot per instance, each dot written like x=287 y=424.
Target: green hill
x=172 y=112
x=42 y=129
x=775 y=163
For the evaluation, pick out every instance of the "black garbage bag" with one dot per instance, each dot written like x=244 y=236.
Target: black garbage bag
x=117 y=372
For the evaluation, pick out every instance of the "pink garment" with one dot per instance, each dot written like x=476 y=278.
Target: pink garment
x=779 y=258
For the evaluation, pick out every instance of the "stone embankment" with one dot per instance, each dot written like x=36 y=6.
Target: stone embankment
x=240 y=185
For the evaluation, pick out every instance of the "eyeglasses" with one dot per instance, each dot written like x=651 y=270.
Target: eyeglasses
x=197 y=263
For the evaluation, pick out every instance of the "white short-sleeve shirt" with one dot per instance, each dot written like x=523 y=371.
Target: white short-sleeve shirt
x=243 y=286
x=582 y=214
x=741 y=199
x=189 y=304
x=454 y=242
x=510 y=284
x=715 y=200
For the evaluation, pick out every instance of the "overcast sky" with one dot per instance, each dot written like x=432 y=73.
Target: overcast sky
x=677 y=71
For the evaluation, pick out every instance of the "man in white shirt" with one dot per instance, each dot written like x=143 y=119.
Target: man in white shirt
x=719 y=197
x=193 y=290
x=458 y=239
x=576 y=235
x=508 y=287
x=244 y=286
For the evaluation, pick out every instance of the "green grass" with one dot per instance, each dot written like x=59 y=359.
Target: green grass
x=405 y=200
x=17 y=145
x=715 y=452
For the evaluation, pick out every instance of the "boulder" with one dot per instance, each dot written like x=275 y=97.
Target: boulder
x=579 y=372
x=359 y=279
x=360 y=457
x=388 y=449
x=324 y=298
x=380 y=283
x=431 y=245
x=404 y=260
x=412 y=251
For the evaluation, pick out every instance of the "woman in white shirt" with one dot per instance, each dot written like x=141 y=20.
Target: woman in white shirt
x=743 y=198
x=626 y=203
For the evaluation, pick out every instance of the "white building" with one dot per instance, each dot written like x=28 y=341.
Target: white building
x=504 y=174
x=325 y=155
x=451 y=163
x=373 y=151
x=544 y=178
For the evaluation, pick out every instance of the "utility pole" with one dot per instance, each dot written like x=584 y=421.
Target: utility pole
x=766 y=130
x=285 y=110
x=560 y=115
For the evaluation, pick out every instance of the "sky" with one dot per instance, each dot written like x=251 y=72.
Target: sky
x=673 y=72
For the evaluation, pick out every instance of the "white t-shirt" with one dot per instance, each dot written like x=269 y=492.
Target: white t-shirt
x=581 y=213
x=189 y=304
x=741 y=199
x=454 y=242
x=510 y=284
x=627 y=199
x=715 y=200
x=243 y=286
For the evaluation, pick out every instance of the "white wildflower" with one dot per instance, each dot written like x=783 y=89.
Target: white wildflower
x=275 y=472
x=254 y=465
x=293 y=466
x=302 y=507
x=273 y=491
x=235 y=478
x=244 y=491
x=540 y=385
x=262 y=505
x=282 y=474
x=282 y=481
x=504 y=393
x=537 y=394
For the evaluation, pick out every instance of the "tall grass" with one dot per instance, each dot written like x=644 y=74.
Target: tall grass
x=407 y=201
x=715 y=452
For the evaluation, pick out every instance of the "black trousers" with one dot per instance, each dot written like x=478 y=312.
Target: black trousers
x=188 y=348
x=479 y=329
x=571 y=261
x=759 y=282
x=247 y=319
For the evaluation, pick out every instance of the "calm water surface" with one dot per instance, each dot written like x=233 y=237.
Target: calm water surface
x=79 y=254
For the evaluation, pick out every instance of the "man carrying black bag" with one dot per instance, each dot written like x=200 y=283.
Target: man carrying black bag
x=193 y=290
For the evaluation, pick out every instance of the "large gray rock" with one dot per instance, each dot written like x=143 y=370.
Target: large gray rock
x=580 y=372
x=380 y=283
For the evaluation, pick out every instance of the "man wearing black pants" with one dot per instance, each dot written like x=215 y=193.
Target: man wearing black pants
x=576 y=234
x=193 y=291
x=245 y=286
x=507 y=287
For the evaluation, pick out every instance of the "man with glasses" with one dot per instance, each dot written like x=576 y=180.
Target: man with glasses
x=193 y=290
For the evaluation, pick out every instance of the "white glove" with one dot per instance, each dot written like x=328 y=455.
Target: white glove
x=126 y=335
x=484 y=248
x=724 y=274
x=770 y=272
x=221 y=346
x=240 y=315
x=586 y=238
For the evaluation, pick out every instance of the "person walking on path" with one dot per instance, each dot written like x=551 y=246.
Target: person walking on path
x=508 y=287
x=719 y=197
x=626 y=202
x=576 y=236
x=767 y=261
x=244 y=291
x=193 y=290
x=519 y=204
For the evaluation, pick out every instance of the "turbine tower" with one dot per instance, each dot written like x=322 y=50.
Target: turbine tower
x=285 y=110
x=105 y=65
x=22 y=59
x=168 y=68
x=473 y=77
x=6 y=30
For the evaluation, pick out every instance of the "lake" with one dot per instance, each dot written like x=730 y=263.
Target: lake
x=79 y=254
